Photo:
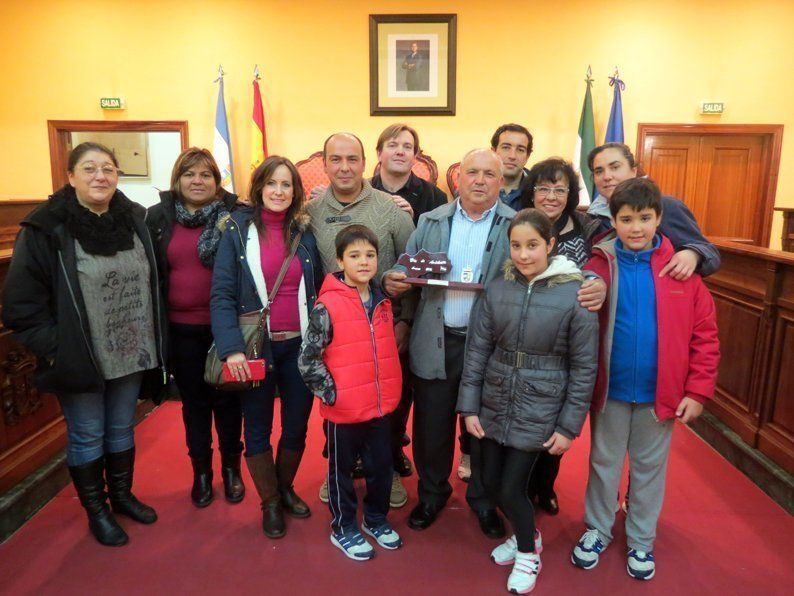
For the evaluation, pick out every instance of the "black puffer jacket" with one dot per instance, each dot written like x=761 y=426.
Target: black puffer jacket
x=531 y=358
x=43 y=305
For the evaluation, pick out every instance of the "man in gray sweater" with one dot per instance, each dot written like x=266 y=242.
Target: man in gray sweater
x=349 y=199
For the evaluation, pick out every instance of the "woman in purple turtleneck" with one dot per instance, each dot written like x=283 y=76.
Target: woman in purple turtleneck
x=253 y=248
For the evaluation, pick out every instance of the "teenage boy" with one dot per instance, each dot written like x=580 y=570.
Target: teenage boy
x=658 y=362
x=349 y=360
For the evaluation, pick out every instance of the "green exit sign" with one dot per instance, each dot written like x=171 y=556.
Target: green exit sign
x=712 y=107
x=111 y=103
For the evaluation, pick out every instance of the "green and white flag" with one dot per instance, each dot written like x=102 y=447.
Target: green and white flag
x=585 y=143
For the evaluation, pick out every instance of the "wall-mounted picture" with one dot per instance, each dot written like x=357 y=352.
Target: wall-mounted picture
x=412 y=64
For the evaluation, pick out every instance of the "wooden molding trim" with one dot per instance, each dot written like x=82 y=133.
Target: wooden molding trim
x=58 y=132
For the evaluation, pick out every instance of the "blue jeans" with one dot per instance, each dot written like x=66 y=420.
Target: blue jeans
x=296 y=403
x=99 y=423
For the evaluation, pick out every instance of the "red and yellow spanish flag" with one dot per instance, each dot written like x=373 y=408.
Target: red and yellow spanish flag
x=258 y=137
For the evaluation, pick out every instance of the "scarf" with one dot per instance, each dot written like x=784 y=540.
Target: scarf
x=103 y=235
x=208 y=216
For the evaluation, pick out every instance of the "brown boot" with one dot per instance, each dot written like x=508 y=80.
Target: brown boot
x=287 y=462
x=263 y=473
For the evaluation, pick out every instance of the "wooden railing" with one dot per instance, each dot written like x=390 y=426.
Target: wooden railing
x=754 y=296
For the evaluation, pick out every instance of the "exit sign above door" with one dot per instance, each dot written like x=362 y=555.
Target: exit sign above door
x=712 y=107
x=112 y=103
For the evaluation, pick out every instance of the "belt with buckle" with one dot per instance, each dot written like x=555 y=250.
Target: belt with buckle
x=284 y=335
x=530 y=361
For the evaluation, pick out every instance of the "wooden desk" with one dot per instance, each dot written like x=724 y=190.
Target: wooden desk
x=788 y=228
x=754 y=296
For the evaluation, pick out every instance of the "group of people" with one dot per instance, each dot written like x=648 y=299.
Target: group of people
x=601 y=311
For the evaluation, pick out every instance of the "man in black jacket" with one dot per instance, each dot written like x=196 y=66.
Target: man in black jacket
x=397 y=148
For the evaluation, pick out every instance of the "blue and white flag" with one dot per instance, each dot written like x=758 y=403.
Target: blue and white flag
x=221 y=147
x=615 y=126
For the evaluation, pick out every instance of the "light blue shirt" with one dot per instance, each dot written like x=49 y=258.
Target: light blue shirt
x=467 y=240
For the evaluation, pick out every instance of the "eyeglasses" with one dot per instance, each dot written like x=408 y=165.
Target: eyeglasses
x=90 y=170
x=557 y=191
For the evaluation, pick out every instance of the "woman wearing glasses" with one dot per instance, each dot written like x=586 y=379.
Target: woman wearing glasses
x=82 y=295
x=553 y=187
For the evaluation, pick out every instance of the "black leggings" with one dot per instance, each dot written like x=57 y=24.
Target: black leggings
x=544 y=476
x=505 y=474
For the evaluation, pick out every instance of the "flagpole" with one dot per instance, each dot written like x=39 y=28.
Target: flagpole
x=221 y=146
x=258 y=135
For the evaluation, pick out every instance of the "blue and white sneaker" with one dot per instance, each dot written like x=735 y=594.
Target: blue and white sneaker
x=354 y=545
x=385 y=535
x=640 y=565
x=586 y=552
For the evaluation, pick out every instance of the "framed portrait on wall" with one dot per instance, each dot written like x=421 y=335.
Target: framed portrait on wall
x=412 y=64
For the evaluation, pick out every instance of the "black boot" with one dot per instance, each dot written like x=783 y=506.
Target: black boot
x=233 y=486
x=201 y=493
x=119 y=468
x=90 y=484
x=287 y=462
x=263 y=473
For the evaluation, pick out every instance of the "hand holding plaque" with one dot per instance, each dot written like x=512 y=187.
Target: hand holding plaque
x=424 y=264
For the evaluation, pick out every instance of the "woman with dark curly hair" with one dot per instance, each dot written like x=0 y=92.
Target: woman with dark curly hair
x=553 y=188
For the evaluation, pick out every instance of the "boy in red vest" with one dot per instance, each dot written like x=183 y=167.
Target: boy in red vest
x=658 y=363
x=349 y=360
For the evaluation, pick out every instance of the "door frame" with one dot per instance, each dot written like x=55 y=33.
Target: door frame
x=773 y=135
x=59 y=130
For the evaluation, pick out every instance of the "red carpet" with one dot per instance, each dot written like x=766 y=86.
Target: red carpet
x=719 y=534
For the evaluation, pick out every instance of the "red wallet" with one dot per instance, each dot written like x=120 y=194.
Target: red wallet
x=257 y=368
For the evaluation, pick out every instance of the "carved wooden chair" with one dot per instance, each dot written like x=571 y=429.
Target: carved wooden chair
x=312 y=172
x=424 y=167
x=453 y=173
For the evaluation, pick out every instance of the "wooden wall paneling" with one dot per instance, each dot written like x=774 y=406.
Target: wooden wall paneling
x=32 y=429
x=776 y=435
x=739 y=326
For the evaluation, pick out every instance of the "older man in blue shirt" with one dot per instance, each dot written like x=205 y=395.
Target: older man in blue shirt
x=472 y=230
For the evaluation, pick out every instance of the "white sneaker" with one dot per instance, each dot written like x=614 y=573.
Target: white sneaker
x=587 y=551
x=324 y=491
x=464 y=467
x=524 y=574
x=505 y=553
x=640 y=565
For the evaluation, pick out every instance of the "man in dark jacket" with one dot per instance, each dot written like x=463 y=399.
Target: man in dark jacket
x=513 y=144
x=398 y=146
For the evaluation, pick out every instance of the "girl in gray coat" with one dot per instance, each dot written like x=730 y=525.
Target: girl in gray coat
x=528 y=378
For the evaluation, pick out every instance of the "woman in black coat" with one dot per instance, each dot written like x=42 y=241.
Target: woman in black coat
x=82 y=295
x=186 y=228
